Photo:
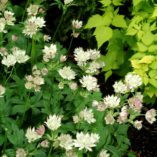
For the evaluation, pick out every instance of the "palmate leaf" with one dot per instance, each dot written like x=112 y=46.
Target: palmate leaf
x=95 y=21
x=119 y=21
x=102 y=34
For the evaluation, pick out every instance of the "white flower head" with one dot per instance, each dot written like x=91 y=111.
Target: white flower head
x=32 y=25
x=112 y=101
x=66 y=2
x=138 y=124
x=20 y=55
x=9 y=60
x=89 y=82
x=94 y=67
x=94 y=54
x=151 y=116
x=32 y=10
x=20 y=152
x=81 y=56
x=87 y=115
x=65 y=141
x=104 y=153
x=120 y=87
x=123 y=115
x=67 y=73
x=109 y=119
x=2 y=25
x=2 y=90
x=32 y=135
x=86 y=141
x=53 y=122
x=9 y=17
x=76 y=24
x=133 y=81
x=49 y=52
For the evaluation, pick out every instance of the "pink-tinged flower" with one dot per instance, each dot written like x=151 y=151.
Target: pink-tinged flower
x=40 y=130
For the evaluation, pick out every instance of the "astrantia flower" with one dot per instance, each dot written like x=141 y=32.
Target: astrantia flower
x=112 y=101
x=65 y=141
x=67 y=73
x=120 y=87
x=104 y=153
x=109 y=119
x=93 y=67
x=53 y=122
x=94 y=54
x=2 y=25
x=9 y=17
x=87 y=115
x=137 y=124
x=76 y=24
x=33 y=10
x=133 y=81
x=86 y=141
x=9 y=60
x=68 y=1
x=20 y=152
x=151 y=116
x=49 y=52
x=32 y=25
x=89 y=82
x=123 y=115
x=32 y=135
x=20 y=55
x=81 y=56
x=2 y=90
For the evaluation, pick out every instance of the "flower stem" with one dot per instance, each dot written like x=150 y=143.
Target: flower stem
x=49 y=154
x=33 y=54
x=24 y=12
x=60 y=22
x=71 y=41
x=9 y=75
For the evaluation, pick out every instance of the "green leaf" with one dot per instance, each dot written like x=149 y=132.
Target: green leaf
x=148 y=38
x=152 y=74
x=102 y=34
x=107 y=18
x=136 y=2
x=154 y=14
x=105 y=2
x=95 y=21
x=108 y=74
x=153 y=82
x=153 y=65
x=141 y=47
x=117 y=2
x=119 y=21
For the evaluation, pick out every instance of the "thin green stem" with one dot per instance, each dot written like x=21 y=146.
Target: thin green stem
x=5 y=142
x=27 y=3
x=33 y=53
x=49 y=154
x=9 y=75
x=60 y=22
x=71 y=41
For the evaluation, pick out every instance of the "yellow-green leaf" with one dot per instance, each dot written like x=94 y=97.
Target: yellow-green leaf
x=119 y=21
x=95 y=21
x=147 y=59
x=135 y=64
x=105 y=2
x=102 y=34
x=153 y=82
x=154 y=14
x=148 y=38
x=141 y=47
x=136 y=2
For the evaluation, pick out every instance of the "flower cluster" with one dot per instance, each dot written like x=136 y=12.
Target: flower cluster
x=131 y=82
x=17 y=56
x=36 y=79
x=49 y=52
x=76 y=26
x=85 y=115
x=124 y=108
